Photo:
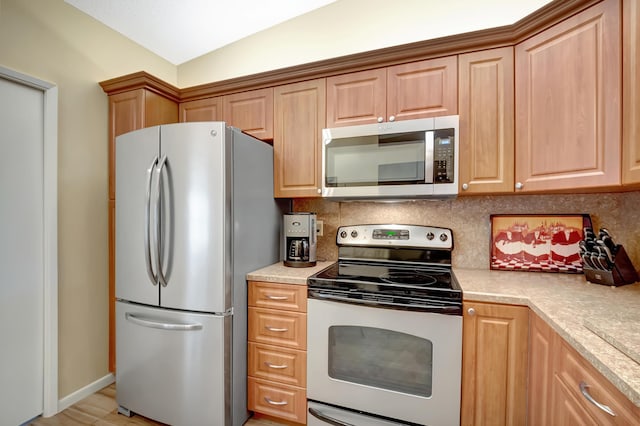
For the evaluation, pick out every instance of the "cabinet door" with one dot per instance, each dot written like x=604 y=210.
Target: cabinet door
x=568 y=98
x=422 y=89
x=494 y=364
x=541 y=349
x=357 y=98
x=631 y=93
x=486 y=101
x=251 y=112
x=125 y=114
x=299 y=112
x=209 y=109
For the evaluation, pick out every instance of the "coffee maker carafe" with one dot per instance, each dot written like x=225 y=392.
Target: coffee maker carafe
x=300 y=239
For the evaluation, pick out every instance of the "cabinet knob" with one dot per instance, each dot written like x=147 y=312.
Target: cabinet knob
x=392 y=118
x=519 y=185
x=465 y=186
x=471 y=311
x=380 y=119
x=319 y=191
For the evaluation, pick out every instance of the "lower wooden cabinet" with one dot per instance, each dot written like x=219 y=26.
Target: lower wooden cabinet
x=277 y=350
x=494 y=364
x=562 y=383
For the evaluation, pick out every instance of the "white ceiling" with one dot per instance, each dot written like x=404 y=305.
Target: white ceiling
x=181 y=30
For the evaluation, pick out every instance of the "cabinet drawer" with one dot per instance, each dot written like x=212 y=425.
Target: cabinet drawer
x=283 y=365
x=572 y=369
x=290 y=297
x=285 y=402
x=279 y=328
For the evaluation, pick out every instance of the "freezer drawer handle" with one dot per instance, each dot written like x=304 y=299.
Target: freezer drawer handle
x=272 y=402
x=278 y=330
x=275 y=366
x=270 y=297
x=162 y=325
x=587 y=395
x=327 y=419
x=147 y=228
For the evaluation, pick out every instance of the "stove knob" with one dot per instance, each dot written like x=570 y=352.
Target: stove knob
x=343 y=234
x=354 y=234
x=430 y=236
x=444 y=237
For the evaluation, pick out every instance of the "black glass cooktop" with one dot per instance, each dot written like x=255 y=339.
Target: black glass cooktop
x=398 y=284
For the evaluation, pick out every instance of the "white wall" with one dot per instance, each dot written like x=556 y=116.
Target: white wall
x=350 y=26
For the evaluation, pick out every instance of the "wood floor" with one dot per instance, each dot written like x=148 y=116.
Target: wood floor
x=101 y=409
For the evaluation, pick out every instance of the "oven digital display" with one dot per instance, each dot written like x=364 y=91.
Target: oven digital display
x=390 y=234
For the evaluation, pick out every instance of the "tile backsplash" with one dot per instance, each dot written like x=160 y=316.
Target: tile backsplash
x=468 y=217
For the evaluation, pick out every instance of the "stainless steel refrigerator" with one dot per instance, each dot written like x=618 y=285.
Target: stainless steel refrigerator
x=194 y=213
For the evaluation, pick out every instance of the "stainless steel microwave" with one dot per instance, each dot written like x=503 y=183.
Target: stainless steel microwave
x=397 y=160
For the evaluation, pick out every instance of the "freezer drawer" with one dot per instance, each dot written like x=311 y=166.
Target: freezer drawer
x=171 y=366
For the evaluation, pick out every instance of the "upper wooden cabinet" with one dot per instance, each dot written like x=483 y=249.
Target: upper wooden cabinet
x=568 y=103
x=414 y=90
x=486 y=104
x=299 y=114
x=209 y=109
x=494 y=364
x=251 y=111
x=631 y=92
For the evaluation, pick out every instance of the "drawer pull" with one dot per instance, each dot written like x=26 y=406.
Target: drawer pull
x=585 y=393
x=271 y=297
x=275 y=366
x=277 y=330
x=272 y=402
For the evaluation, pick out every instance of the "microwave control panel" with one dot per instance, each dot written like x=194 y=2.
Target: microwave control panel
x=443 y=155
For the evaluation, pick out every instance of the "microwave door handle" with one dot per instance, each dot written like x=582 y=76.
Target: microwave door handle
x=428 y=156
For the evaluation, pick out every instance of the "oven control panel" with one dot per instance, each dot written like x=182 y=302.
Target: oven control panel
x=392 y=235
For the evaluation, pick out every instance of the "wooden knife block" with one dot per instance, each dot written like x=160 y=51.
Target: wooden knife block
x=622 y=272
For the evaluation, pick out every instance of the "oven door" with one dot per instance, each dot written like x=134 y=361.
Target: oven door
x=399 y=364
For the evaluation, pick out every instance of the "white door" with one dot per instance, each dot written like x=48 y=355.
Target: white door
x=21 y=252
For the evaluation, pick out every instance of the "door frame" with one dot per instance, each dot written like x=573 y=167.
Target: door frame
x=50 y=237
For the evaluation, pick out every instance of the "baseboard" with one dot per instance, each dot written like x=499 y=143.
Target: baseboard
x=81 y=394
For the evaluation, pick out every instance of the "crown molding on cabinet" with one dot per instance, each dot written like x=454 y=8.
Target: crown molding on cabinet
x=508 y=35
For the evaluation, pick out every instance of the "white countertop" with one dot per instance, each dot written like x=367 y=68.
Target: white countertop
x=602 y=323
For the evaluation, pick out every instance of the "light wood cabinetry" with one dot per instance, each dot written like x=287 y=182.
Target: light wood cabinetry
x=209 y=109
x=401 y=92
x=494 y=364
x=277 y=350
x=556 y=373
x=486 y=108
x=299 y=117
x=568 y=103
x=134 y=103
x=541 y=338
x=250 y=111
x=631 y=92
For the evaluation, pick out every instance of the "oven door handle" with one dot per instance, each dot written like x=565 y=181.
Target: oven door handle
x=441 y=309
x=327 y=419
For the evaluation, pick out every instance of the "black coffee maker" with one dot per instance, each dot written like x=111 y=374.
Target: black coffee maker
x=300 y=239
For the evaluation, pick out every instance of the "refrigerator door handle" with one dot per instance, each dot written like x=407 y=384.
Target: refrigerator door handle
x=147 y=322
x=158 y=235
x=147 y=227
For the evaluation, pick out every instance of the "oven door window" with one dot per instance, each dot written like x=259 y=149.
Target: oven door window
x=381 y=358
x=376 y=160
